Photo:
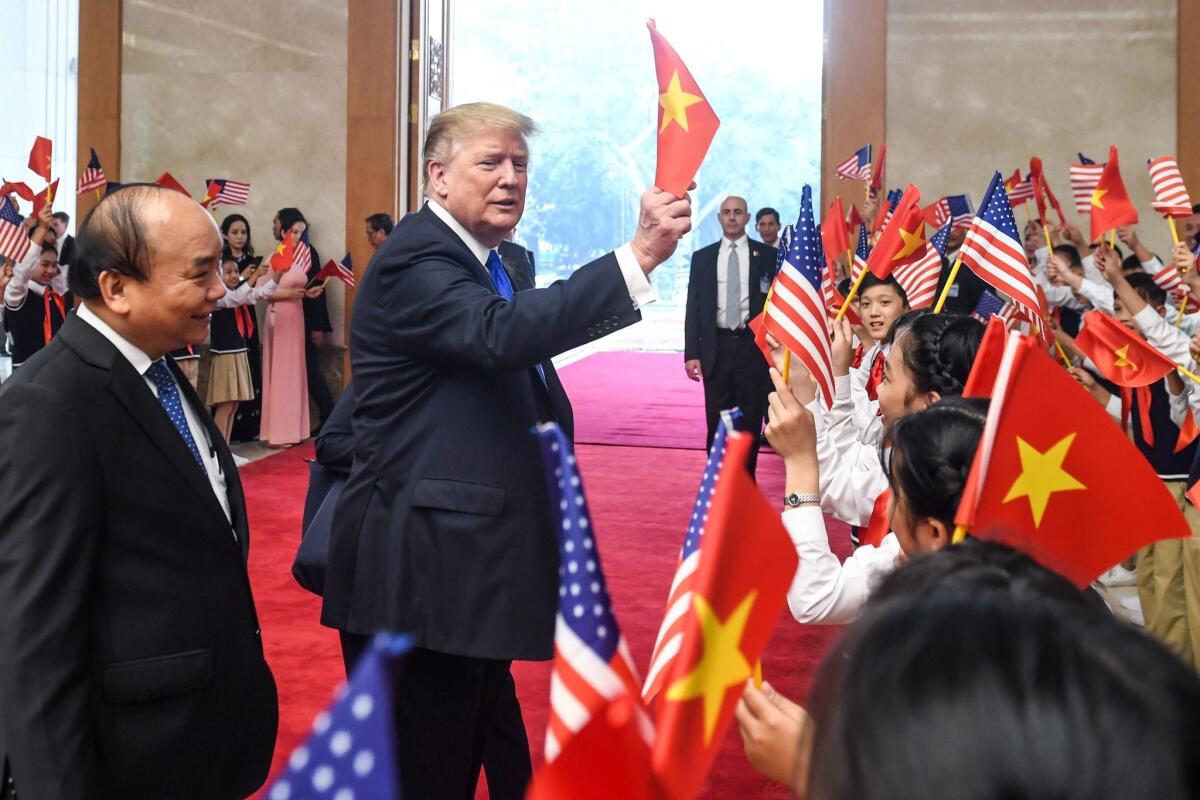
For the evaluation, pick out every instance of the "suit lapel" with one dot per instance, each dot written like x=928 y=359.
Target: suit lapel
x=469 y=259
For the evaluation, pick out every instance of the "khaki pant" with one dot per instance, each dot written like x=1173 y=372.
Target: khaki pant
x=1168 y=583
x=190 y=367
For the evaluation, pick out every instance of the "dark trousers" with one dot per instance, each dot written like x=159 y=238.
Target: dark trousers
x=738 y=377
x=318 y=390
x=452 y=714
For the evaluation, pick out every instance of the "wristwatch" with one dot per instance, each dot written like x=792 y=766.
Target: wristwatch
x=795 y=500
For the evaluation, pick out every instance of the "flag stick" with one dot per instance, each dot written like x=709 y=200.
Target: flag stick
x=849 y=262
x=960 y=533
x=97 y=194
x=937 y=309
x=1188 y=373
x=758 y=678
x=787 y=364
x=1183 y=301
x=1112 y=238
x=853 y=291
x=1062 y=354
x=1049 y=244
x=1174 y=232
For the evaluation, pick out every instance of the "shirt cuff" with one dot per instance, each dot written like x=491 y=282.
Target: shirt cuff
x=640 y=290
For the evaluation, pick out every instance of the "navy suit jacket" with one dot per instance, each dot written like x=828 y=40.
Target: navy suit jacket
x=444 y=530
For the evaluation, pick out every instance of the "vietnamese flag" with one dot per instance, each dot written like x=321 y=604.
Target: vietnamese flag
x=746 y=565
x=284 y=255
x=982 y=376
x=212 y=188
x=877 y=173
x=686 y=122
x=1111 y=207
x=834 y=236
x=22 y=190
x=1042 y=481
x=607 y=758
x=45 y=197
x=853 y=218
x=903 y=239
x=1121 y=355
x=40 y=157
x=168 y=180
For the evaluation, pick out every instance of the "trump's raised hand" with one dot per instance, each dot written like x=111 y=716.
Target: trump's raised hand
x=664 y=220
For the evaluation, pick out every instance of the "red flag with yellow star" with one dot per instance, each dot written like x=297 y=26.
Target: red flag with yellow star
x=746 y=565
x=903 y=238
x=982 y=376
x=834 y=236
x=45 y=197
x=168 y=180
x=1121 y=355
x=284 y=255
x=686 y=122
x=40 y=157
x=1111 y=206
x=1043 y=483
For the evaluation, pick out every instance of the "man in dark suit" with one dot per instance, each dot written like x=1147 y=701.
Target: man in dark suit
x=727 y=288
x=444 y=529
x=131 y=662
x=66 y=242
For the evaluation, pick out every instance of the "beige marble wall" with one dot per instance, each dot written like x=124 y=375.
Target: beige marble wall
x=975 y=86
x=254 y=91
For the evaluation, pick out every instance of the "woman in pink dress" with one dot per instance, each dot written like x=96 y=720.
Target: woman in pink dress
x=284 y=381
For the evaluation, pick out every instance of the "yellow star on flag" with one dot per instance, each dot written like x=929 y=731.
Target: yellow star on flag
x=1042 y=475
x=721 y=666
x=1097 y=193
x=675 y=102
x=1122 y=355
x=912 y=240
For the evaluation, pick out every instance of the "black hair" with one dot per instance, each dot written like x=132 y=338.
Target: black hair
x=1147 y=289
x=844 y=285
x=870 y=281
x=1196 y=208
x=1131 y=264
x=956 y=692
x=62 y=217
x=938 y=350
x=111 y=239
x=1070 y=253
x=766 y=212
x=931 y=455
x=226 y=224
x=380 y=222
x=288 y=217
x=49 y=248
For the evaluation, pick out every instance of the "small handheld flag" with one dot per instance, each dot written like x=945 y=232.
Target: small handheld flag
x=40 y=157
x=226 y=192
x=1110 y=204
x=92 y=177
x=1121 y=356
x=686 y=122
x=45 y=197
x=168 y=180
x=1170 y=195
x=14 y=241
x=332 y=269
x=1084 y=177
x=857 y=167
x=992 y=249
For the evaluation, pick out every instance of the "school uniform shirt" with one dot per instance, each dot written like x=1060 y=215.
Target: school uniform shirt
x=224 y=335
x=825 y=590
x=24 y=317
x=851 y=475
x=141 y=363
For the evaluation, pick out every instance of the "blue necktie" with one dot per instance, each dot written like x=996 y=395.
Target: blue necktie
x=172 y=403
x=504 y=288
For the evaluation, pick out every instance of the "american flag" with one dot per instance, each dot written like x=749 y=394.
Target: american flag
x=344 y=272
x=861 y=253
x=14 y=241
x=919 y=280
x=796 y=315
x=93 y=176
x=592 y=664
x=1170 y=195
x=990 y=304
x=350 y=751
x=679 y=599
x=785 y=243
x=857 y=167
x=1169 y=280
x=1018 y=190
x=9 y=212
x=228 y=192
x=1085 y=176
x=893 y=199
x=303 y=257
x=992 y=249
x=954 y=208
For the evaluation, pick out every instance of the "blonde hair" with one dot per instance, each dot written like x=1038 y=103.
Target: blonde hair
x=448 y=128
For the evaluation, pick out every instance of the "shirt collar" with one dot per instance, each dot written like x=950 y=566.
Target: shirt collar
x=741 y=240
x=478 y=250
x=136 y=358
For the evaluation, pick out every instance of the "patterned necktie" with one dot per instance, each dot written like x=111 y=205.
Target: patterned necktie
x=504 y=288
x=172 y=403
x=733 y=291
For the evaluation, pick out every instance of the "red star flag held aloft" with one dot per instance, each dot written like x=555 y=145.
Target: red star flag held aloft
x=746 y=565
x=686 y=122
x=1111 y=206
x=45 y=197
x=1122 y=356
x=40 y=157
x=1043 y=481
x=903 y=239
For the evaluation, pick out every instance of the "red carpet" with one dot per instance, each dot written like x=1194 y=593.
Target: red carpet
x=636 y=399
x=640 y=503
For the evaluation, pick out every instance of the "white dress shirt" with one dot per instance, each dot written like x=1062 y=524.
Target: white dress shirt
x=141 y=363
x=851 y=476
x=640 y=290
x=743 y=250
x=825 y=590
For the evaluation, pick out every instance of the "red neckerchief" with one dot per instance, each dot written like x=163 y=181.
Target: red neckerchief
x=49 y=296
x=1143 y=401
x=876 y=375
x=245 y=321
x=859 y=352
x=878 y=526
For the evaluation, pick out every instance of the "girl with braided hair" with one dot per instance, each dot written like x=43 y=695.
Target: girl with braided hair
x=929 y=360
